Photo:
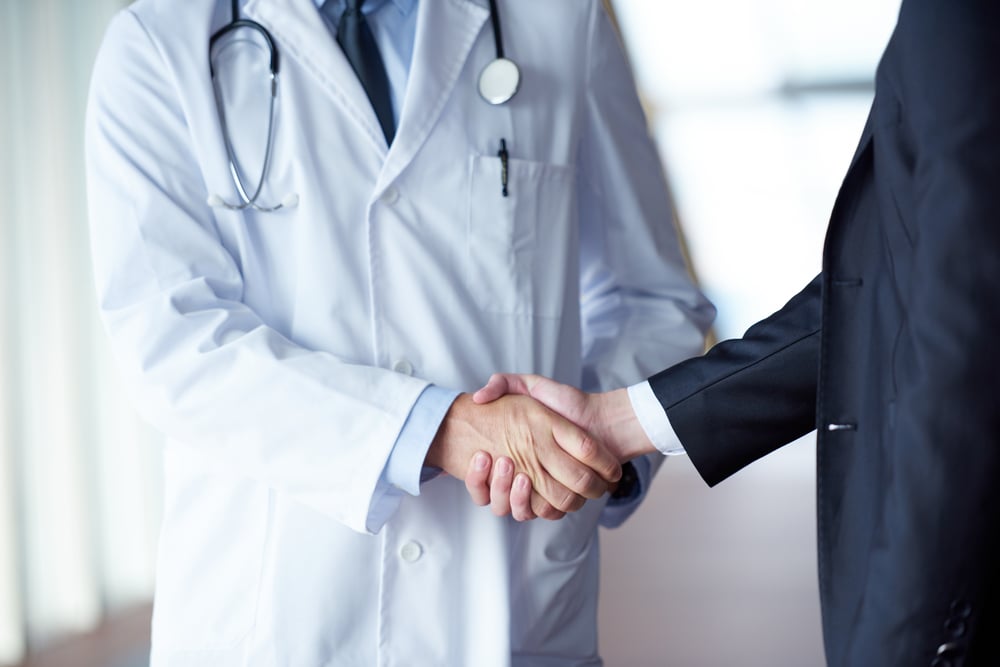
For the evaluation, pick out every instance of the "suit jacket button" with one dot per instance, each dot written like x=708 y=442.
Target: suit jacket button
x=949 y=650
x=961 y=609
x=841 y=427
x=955 y=627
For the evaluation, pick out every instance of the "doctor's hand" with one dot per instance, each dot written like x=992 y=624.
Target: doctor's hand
x=608 y=416
x=563 y=464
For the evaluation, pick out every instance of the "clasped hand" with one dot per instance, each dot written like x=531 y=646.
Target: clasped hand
x=541 y=447
x=561 y=462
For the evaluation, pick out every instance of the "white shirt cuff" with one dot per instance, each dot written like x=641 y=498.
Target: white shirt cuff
x=653 y=419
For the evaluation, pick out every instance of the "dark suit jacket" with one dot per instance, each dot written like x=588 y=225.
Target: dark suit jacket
x=891 y=353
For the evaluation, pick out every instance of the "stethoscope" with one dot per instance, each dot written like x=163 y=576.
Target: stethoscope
x=498 y=83
x=247 y=200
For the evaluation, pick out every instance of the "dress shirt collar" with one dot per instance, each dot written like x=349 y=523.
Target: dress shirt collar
x=370 y=6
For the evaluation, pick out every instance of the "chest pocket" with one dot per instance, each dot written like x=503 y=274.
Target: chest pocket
x=521 y=257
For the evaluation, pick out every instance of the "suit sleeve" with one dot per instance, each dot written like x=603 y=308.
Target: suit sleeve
x=749 y=396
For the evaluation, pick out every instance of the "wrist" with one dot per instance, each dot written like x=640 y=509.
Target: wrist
x=617 y=425
x=444 y=452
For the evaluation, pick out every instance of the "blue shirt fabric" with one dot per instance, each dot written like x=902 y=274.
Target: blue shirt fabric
x=394 y=26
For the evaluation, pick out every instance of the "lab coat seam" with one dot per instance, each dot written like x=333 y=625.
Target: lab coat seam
x=265 y=549
x=373 y=305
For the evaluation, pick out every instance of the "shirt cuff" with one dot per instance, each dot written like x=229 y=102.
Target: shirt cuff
x=653 y=419
x=405 y=470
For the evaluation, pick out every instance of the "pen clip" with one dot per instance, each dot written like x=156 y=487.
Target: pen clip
x=502 y=154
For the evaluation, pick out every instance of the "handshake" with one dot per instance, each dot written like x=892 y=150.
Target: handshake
x=533 y=447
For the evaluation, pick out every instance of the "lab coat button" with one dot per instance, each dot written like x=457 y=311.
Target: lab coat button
x=403 y=366
x=390 y=196
x=411 y=552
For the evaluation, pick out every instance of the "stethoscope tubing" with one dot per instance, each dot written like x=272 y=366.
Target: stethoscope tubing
x=509 y=81
x=497 y=34
x=247 y=201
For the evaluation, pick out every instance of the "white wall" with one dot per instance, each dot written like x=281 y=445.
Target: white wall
x=77 y=474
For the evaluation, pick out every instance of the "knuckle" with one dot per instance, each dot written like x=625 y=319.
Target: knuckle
x=588 y=447
x=540 y=506
x=569 y=502
x=588 y=483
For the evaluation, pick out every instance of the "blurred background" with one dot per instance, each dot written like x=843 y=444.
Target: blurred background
x=757 y=106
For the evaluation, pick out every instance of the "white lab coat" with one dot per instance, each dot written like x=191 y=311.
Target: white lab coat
x=281 y=353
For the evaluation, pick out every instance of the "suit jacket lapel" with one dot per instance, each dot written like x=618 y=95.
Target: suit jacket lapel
x=850 y=191
x=866 y=138
x=303 y=35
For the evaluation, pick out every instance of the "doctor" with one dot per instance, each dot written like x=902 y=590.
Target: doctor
x=303 y=252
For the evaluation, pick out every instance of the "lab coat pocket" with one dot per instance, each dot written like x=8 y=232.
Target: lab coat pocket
x=211 y=555
x=521 y=247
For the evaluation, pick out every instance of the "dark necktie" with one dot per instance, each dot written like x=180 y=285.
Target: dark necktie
x=358 y=43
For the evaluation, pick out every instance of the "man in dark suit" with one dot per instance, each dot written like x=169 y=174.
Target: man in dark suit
x=890 y=353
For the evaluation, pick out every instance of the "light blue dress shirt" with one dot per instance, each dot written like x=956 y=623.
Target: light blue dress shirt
x=394 y=26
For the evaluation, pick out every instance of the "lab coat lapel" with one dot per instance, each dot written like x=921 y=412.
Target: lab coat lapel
x=446 y=31
x=302 y=34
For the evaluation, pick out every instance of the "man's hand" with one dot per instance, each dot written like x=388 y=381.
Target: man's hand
x=608 y=416
x=564 y=464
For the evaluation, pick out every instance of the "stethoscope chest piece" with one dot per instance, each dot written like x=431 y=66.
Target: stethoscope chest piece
x=499 y=81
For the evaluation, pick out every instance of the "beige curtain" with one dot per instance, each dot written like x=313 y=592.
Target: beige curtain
x=78 y=472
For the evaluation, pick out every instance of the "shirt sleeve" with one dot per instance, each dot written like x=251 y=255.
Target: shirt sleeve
x=405 y=470
x=653 y=419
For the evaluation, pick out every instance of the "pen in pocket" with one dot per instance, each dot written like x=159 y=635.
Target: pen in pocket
x=502 y=154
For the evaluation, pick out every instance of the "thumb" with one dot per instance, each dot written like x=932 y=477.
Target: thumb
x=501 y=384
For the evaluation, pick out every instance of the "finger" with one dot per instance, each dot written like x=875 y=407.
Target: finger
x=520 y=499
x=588 y=450
x=494 y=389
x=501 y=384
x=477 y=479
x=566 y=477
x=557 y=494
x=542 y=508
x=503 y=477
